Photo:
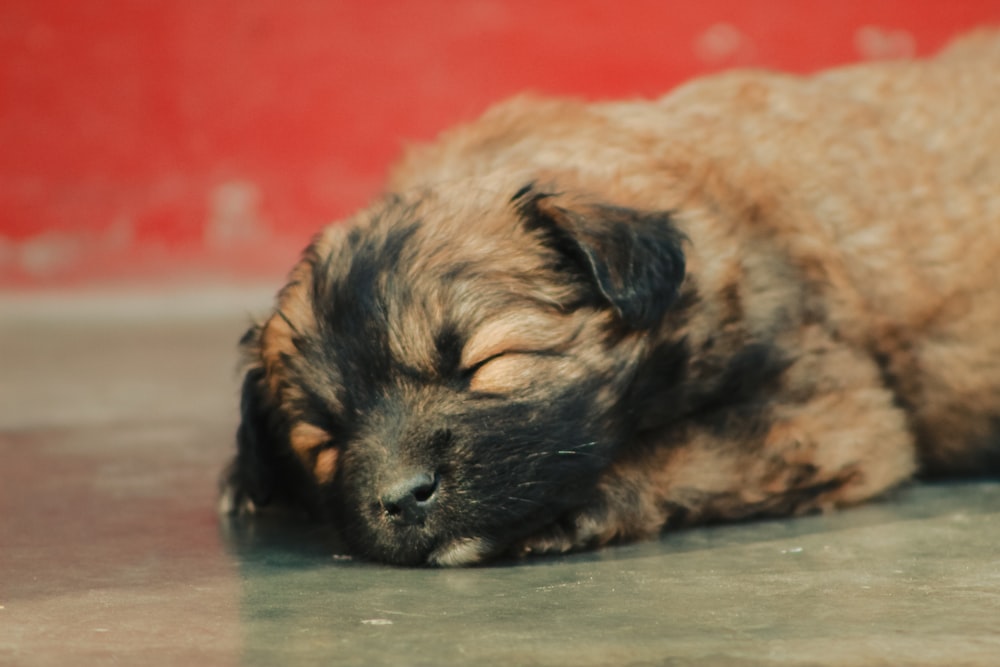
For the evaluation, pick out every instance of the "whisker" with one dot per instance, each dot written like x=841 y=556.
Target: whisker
x=525 y=500
x=574 y=451
x=583 y=445
x=536 y=482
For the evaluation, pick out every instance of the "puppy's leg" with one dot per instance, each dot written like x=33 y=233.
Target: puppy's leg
x=829 y=436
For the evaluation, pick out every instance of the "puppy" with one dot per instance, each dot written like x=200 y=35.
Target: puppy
x=576 y=324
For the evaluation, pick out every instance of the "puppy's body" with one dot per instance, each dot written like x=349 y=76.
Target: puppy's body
x=580 y=323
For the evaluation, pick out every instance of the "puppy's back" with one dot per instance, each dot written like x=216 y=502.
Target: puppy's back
x=883 y=180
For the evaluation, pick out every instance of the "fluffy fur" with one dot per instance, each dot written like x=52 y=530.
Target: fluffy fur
x=574 y=324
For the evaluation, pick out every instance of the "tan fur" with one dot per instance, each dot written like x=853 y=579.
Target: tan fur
x=850 y=219
x=326 y=466
x=312 y=445
x=293 y=316
x=306 y=439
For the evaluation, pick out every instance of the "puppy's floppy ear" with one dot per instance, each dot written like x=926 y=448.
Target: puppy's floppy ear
x=250 y=479
x=634 y=258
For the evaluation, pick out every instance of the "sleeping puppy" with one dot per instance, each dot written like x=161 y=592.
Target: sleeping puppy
x=575 y=324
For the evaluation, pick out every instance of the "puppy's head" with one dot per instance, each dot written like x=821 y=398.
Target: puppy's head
x=442 y=379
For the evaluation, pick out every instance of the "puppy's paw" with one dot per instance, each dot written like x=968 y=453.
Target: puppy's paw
x=575 y=532
x=234 y=499
x=554 y=540
x=234 y=503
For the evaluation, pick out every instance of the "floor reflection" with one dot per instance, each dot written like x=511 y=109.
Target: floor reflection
x=111 y=552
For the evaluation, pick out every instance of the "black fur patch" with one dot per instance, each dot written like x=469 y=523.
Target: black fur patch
x=253 y=471
x=634 y=259
x=264 y=469
x=735 y=398
x=449 y=344
x=352 y=307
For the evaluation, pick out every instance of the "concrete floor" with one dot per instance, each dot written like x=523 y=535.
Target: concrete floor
x=116 y=417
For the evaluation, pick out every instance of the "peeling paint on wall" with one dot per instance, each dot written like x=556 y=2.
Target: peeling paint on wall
x=234 y=216
x=54 y=252
x=724 y=44
x=876 y=43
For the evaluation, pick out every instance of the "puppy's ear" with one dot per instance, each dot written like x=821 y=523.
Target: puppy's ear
x=249 y=481
x=634 y=258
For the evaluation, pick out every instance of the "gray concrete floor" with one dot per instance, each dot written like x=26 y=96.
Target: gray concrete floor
x=116 y=417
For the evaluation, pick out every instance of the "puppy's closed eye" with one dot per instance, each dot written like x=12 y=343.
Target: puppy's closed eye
x=506 y=354
x=503 y=373
x=513 y=333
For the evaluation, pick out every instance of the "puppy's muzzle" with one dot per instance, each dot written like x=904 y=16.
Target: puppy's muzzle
x=408 y=500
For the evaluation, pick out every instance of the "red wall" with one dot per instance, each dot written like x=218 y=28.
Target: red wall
x=198 y=138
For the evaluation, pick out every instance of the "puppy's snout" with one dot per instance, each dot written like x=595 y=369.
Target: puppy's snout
x=408 y=500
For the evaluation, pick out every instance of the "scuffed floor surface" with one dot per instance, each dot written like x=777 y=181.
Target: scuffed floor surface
x=113 y=429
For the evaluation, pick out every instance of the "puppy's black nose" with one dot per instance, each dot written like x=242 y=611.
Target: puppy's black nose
x=408 y=500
